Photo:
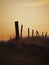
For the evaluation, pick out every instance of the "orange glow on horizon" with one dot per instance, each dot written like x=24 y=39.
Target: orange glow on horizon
x=31 y=13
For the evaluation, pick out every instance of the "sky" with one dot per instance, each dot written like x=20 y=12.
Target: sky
x=31 y=13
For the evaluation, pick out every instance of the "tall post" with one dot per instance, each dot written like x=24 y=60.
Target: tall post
x=21 y=30
x=17 y=29
x=32 y=33
x=28 y=32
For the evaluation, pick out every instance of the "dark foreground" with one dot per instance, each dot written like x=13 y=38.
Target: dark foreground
x=25 y=52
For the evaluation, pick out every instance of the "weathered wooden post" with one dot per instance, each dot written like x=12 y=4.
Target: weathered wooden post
x=32 y=33
x=17 y=30
x=28 y=32
x=37 y=33
x=46 y=35
x=21 y=30
x=42 y=34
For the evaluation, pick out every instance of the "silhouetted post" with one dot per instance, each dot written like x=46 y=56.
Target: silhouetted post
x=17 y=29
x=37 y=33
x=21 y=30
x=46 y=35
x=32 y=33
x=28 y=32
x=42 y=34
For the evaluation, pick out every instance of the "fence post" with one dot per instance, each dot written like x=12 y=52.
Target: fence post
x=37 y=33
x=28 y=32
x=17 y=29
x=32 y=33
x=46 y=35
x=42 y=34
x=21 y=30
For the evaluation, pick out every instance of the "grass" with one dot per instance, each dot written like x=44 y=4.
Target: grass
x=32 y=51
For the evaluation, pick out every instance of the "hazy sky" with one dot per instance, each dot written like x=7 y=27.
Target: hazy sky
x=31 y=13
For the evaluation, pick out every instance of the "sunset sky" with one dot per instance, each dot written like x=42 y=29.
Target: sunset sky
x=31 y=13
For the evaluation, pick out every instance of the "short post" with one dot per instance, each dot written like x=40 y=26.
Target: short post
x=21 y=30
x=32 y=33
x=28 y=32
x=46 y=35
x=42 y=34
x=37 y=33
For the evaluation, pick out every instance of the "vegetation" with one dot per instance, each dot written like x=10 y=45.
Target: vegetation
x=25 y=51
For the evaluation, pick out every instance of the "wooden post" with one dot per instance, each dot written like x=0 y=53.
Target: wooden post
x=46 y=35
x=28 y=32
x=21 y=30
x=42 y=34
x=17 y=29
x=32 y=33
x=37 y=33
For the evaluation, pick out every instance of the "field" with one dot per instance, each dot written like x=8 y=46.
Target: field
x=25 y=51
